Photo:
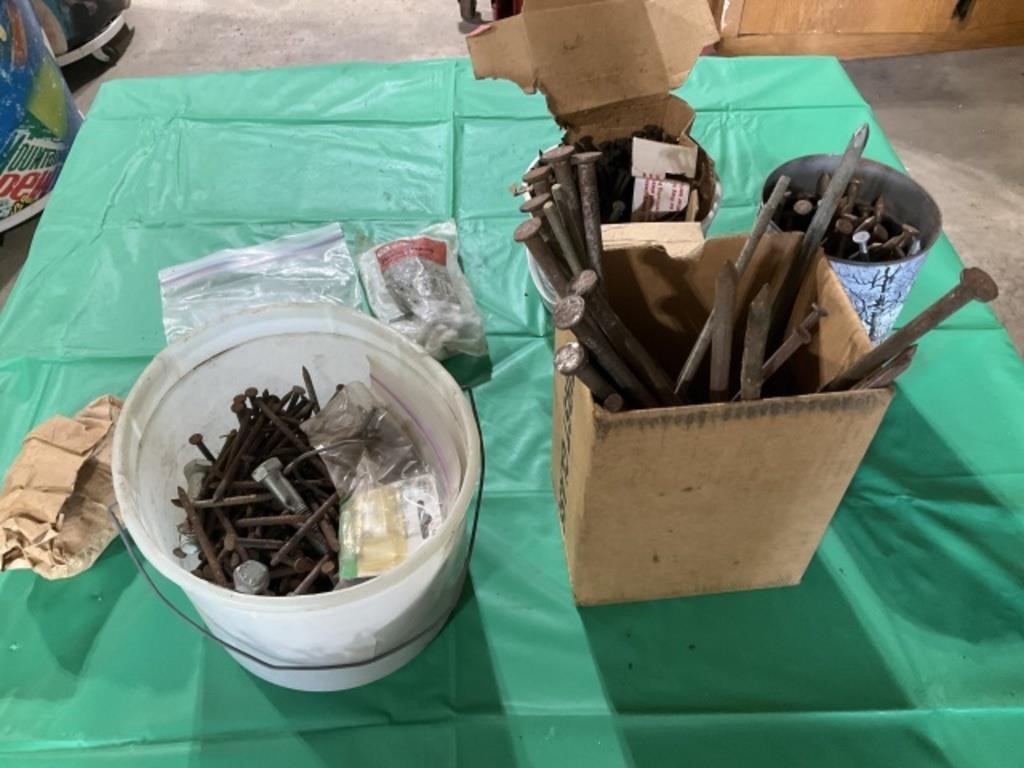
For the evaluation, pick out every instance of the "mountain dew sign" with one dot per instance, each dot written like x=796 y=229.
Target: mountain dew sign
x=38 y=119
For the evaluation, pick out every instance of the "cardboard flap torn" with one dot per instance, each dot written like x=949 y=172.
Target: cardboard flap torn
x=585 y=54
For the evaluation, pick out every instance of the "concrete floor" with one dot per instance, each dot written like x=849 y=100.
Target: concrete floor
x=955 y=118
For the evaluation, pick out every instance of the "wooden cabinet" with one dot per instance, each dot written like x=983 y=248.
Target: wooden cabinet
x=860 y=28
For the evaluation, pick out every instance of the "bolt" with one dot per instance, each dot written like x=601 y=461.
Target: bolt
x=195 y=476
x=197 y=441
x=270 y=475
x=251 y=578
x=722 y=331
x=975 y=285
x=570 y=315
x=572 y=360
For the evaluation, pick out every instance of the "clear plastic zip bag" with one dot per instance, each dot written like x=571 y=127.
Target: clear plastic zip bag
x=308 y=267
x=415 y=285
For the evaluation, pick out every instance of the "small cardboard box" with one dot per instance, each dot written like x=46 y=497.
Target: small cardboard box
x=707 y=498
x=605 y=66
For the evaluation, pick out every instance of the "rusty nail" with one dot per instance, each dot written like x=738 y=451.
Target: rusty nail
x=558 y=159
x=307 y=582
x=563 y=239
x=197 y=441
x=231 y=501
x=535 y=205
x=255 y=522
x=302 y=532
x=529 y=233
x=570 y=315
x=253 y=542
x=722 y=331
x=975 y=285
x=627 y=345
x=756 y=338
x=799 y=336
x=571 y=218
x=209 y=553
x=538 y=180
x=614 y=403
x=590 y=207
x=572 y=360
x=823 y=181
x=803 y=207
x=310 y=391
x=889 y=372
x=703 y=342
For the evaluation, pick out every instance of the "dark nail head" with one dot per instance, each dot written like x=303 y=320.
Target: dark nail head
x=557 y=155
x=534 y=204
x=980 y=284
x=527 y=230
x=569 y=312
x=195 y=439
x=585 y=283
x=614 y=403
x=251 y=392
x=538 y=173
x=581 y=158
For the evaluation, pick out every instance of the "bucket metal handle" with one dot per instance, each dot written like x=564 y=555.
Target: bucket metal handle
x=432 y=627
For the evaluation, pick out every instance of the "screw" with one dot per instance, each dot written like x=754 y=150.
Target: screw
x=197 y=441
x=975 y=285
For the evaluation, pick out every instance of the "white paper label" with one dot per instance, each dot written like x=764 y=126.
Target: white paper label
x=653 y=196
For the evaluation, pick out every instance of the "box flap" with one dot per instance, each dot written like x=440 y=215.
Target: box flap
x=584 y=54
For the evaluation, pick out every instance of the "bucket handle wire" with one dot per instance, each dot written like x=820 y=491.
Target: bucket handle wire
x=432 y=627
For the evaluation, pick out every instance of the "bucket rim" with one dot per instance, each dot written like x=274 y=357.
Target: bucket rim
x=125 y=440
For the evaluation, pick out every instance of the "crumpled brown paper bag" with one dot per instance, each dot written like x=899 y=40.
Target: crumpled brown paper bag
x=53 y=506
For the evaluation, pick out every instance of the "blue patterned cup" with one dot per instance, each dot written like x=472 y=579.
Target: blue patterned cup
x=877 y=290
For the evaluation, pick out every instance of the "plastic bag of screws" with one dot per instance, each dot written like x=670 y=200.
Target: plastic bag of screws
x=415 y=285
x=262 y=514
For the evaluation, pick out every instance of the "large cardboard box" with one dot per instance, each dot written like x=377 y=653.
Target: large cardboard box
x=605 y=66
x=707 y=498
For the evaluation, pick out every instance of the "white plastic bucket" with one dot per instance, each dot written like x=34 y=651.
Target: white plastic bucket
x=188 y=387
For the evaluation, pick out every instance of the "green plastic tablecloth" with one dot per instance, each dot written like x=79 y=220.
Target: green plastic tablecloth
x=903 y=646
